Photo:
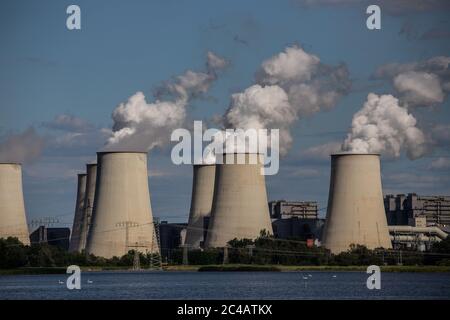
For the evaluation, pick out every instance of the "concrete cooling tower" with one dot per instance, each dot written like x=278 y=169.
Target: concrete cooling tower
x=79 y=212
x=91 y=170
x=240 y=208
x=13 y=221
x=201 y=202
x=355 y=213
x=122 y=216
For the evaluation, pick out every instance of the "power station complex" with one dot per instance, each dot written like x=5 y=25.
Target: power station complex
x=113 y=212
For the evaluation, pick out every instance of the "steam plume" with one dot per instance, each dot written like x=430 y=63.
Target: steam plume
x=141 y=125
x=290 y=85
x=424 y=83
x=24 y=147
x=383 y=126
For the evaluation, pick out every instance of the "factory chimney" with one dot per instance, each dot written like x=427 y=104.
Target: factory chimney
x=122 y=216
x=355 y=213
x=240 y=208
x=79 y=212
x=13 y=221
x=91 y=170
x=201 y=202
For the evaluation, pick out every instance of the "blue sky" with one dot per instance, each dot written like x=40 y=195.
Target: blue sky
x=129 y=46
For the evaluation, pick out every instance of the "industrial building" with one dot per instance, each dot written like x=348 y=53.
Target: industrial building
x=53 y=236
x=172 y=236
x=296 y=219
x=355 y=211
x=403 y=209
x=201 y=203
x=122 y=217
x=416 y=222
x=282 y=209
x=239 y=208
x=298 y=228
x=13 y=221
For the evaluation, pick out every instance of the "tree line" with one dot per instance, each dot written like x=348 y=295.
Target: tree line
x=265 y=250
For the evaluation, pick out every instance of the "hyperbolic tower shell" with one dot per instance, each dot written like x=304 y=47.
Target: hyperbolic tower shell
x=91 y=170
x=122 y=216
x=240 y=208
x=201 y=202
x=13 y=221
x=355 y=213
x=79 y=212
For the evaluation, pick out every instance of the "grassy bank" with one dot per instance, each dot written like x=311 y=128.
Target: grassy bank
x=239 y=267
x=31 y=271
x=232 y=267
x=246 y=268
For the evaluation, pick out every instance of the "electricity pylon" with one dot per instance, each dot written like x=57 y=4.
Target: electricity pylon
x=155 y=258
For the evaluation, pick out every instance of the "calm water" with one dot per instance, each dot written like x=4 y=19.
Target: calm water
x=227 y=285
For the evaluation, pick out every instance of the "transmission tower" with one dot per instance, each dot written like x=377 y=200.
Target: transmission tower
x=136 y=257
x=155 y=257
x=44 y=221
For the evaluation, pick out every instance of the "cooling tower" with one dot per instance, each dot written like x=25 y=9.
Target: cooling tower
x=122 y=216
x=13 y=222
x=79 y=212
x=240 y=208
x=91 y=170
x=201 y=202
x=355 y=213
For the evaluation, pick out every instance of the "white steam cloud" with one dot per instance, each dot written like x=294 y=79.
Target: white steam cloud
x=383 y=126
x=425 y=83
x=290 y=85
x=141 y=125
x=24 y=147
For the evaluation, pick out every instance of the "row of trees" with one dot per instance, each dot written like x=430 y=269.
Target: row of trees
x=269 y=250
x=263 y=250
x=13 y=254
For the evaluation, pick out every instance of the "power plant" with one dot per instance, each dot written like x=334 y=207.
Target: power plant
x=13 y=221
x=239 y=207
x=122 y=217
x=201 y=203
x=91 y=171
x=355 y=213
x=79 y=212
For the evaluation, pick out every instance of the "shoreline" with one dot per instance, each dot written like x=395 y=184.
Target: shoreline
x=228 y=268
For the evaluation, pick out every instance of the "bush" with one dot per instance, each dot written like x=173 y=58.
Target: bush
x=12 y=253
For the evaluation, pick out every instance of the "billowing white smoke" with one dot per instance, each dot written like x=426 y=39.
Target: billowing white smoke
x=24 y=147
x=140 y=125
x=425 y=83
x=419 y=88
x=290 y=85
x=383 y=126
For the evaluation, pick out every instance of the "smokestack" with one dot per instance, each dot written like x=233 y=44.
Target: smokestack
x=91 y=170
x=79 y=212
x=201 y=202
x=240 y=208
x=355 y=213
x=122 y=215
x=13 y=221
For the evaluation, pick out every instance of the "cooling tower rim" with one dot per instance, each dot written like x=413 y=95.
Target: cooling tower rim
x=91 y=164
x=338 y=154
x=11 y=162
x=81 y=174
x=203 y=164
x=104 y=152
x=222 y=153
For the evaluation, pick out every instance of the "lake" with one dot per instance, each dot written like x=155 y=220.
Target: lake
x=227 y=285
